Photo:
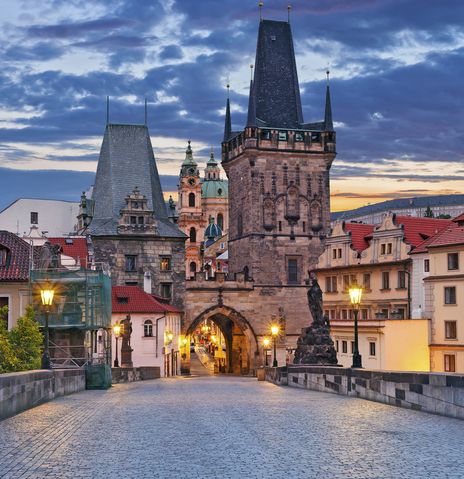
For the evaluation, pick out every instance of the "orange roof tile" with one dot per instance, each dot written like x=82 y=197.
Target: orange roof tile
x=74 y=247
x=360 y=234
x=132 y=299
x=417 y=229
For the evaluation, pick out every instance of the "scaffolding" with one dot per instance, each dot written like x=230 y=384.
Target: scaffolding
x=80 y=318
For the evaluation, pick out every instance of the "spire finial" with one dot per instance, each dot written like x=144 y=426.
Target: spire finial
x=251 y=71
x=328 y=75
x=260 y=5
x=107 y=110
x=146 y=111
x=289 y=7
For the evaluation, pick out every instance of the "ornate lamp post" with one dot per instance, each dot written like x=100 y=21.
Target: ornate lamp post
x=266 y=344
x=46 y=295
x=355 y=292
x=117 y=333
x=275 y=332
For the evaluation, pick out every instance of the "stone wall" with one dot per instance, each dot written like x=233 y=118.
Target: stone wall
x=21 y=391
x=437 y=393
x=128 y=375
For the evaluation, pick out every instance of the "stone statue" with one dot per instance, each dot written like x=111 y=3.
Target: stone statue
x=126 y=350
x=315 y=346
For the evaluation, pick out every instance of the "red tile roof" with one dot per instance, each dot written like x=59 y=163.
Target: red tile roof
x=417 y=229
x=17 y=257
x=75 y=247
x=459 y=219
x=132 y=299
x=452 y=235
x=360 y=234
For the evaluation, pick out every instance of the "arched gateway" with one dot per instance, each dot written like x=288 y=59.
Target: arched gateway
x=241 y=341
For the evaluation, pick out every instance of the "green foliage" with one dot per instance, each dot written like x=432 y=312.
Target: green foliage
x=444 y=217
x=428 y=212
x=20 y=348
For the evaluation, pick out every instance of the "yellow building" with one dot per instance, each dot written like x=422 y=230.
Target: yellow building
x=444 y=297
x=376 y=257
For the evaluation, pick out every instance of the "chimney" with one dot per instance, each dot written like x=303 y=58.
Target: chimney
x=147 y=282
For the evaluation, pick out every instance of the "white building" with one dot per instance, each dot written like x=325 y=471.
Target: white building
x=156 y=336
x=45 y=217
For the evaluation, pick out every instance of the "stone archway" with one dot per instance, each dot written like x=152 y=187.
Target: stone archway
x=241 y=341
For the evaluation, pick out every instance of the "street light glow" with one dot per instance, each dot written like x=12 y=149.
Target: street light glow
x=355 y=295
x=275 y=330
x=117 y=330
x=47 y=296
x=266 y=342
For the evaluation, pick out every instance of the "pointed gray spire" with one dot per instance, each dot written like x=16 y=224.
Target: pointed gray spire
x=228 y=122
x=328 y=108
x=251 y=121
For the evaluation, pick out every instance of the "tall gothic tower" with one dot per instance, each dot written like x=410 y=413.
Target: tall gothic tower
x=278 y=171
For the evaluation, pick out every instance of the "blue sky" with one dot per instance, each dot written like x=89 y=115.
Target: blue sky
x=396 y=78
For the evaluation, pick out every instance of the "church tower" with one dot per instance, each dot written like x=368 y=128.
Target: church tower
x=191 y=219
x=278 y=170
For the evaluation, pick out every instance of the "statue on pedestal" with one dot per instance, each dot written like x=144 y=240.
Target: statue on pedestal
x=315 y=346
x=126 y=350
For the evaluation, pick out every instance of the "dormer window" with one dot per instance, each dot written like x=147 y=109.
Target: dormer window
x=3 y=256
x=123 y=299
x=135 y=204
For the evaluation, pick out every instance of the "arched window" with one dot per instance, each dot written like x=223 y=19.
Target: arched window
x=148 y=328
x=193 y=235
x=191 y=199
x=193 y=267
x=220 y=220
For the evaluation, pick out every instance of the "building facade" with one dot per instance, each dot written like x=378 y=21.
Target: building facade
x=201 y=201
x=444 y=297
x=278 y=171
x=127 y=218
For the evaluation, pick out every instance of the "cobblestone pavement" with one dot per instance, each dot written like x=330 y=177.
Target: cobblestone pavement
x=226 y=427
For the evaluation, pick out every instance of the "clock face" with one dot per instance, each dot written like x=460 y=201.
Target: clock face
x=191 y=171
x=191 y=182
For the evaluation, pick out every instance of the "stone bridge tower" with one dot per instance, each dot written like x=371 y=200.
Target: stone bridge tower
x=279 y=213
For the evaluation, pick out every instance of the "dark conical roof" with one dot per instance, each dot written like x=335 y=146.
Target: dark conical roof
x=251 y=120
x=228 y=122
x=328 y=112
x=276 y=89
x=126 y=161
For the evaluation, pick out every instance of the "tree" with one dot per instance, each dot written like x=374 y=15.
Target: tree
x=20 y=348
x=26 y=341
x=428 y=212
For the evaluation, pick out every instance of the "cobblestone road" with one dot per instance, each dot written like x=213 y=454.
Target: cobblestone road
x=225 y=427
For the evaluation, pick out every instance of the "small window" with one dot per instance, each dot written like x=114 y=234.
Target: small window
x=339 y=253
x=364 y=313
x=280 y=225
x=315 y=137
x=191 y=198
x=219 y=191
x=165 y=264
x=344 y=314
x=131 y=262
x=3 y=256
x=385 y=280
x=372 y=349
x=282 y=136
x=401 y=280
x=148 y=328
x=450 y=295
x=4 y=301
x=304 y=226
x=292 y=272
x=122 y=300
x=367 y=281
x=453 y=261
x=135 y=205
x=383 y=248
x=265 y=135
x=346 y=282
x=133 y=220
x=166 y=290
x=193 y=267
x=141 y=220
x=450 y=330
x=389 y=248
x=336 y=345
x=426 y=265
x=240 y=225
x=299 y=137
x=449 y=363
x=220 y=218
x=334 y=254
x=34 y=218
x=193 y=235
x=344 y=347
x=352 y=347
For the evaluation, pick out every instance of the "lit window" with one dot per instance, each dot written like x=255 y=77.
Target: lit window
x=148 y=328
x=453 y=261
x=450 y=295
x=165 y=264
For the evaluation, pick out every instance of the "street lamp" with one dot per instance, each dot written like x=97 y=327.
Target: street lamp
x=355 y=292
x=170 y=337
x=117 y=333
x=266 y=344
x=275 y=332
x=46 y=295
